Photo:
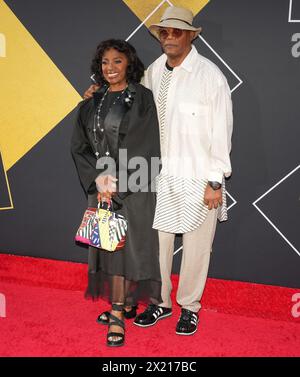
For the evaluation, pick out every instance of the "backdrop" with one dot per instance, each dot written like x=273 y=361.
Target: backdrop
x=45 y=52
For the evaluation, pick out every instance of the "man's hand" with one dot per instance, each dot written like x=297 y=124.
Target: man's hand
x=212 y=198
x=91 y=90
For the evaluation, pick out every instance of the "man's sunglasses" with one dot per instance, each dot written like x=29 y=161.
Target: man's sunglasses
x=164 y=33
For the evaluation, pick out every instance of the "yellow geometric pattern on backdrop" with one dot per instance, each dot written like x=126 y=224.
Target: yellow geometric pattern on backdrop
x=11 y=206
x=35 y=96
x=142 y=9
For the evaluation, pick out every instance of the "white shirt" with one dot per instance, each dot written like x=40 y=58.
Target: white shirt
x=198 y=125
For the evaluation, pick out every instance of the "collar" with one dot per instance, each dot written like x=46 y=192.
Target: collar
x=188 y=62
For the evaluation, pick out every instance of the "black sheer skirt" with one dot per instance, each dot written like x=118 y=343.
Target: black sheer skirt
x=130 y=275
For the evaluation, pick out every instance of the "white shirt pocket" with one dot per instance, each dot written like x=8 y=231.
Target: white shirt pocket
x=193 y=118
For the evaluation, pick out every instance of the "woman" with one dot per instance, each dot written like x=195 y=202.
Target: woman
x=121 y=115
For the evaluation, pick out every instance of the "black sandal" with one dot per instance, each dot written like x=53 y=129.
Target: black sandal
x=103 y=318
x=116 y=322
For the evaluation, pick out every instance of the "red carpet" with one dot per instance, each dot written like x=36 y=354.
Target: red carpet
x=46 y=315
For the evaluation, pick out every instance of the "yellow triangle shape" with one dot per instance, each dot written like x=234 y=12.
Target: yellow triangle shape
x=35 y=95
x=142 y=9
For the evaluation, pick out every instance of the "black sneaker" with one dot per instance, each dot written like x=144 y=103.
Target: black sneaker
x=187 y=323
x=151 y=315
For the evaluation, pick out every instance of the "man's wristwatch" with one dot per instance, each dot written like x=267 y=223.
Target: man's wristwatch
x=215 y=185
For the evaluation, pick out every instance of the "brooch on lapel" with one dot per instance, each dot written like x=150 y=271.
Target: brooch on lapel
x=129 y=95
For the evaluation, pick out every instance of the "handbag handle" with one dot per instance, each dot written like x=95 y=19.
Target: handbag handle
x=109 y=203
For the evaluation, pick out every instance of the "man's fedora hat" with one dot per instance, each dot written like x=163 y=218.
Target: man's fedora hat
x=177 y=18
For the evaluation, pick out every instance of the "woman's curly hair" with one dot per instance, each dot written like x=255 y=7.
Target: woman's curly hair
x=135 y=68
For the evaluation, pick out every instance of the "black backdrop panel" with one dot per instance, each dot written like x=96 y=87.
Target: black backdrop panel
x=251 y=42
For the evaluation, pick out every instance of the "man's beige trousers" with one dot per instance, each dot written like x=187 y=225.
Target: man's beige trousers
x=197 y=246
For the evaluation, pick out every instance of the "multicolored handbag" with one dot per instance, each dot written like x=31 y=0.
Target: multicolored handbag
x=102 y=228
x=109 y=232
x=86 y=227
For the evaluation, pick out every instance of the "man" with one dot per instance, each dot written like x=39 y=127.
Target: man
x=195 y=115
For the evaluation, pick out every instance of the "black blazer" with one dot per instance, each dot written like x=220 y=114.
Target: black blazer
x=141 y=139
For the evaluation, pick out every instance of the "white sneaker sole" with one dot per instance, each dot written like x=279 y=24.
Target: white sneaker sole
x=151 y=324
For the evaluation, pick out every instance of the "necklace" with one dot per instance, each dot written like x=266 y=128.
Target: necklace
x=97 y=120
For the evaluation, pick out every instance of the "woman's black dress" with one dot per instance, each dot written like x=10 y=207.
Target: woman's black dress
x=132 y=272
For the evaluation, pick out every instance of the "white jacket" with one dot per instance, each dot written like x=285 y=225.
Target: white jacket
x=198 y=118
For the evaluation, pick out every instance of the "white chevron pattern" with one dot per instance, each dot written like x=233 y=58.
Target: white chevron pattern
x=177 y=213
x=162 y=102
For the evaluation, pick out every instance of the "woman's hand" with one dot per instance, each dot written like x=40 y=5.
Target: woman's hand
x=106 y=186
x=91 y=90
x=212 y=198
